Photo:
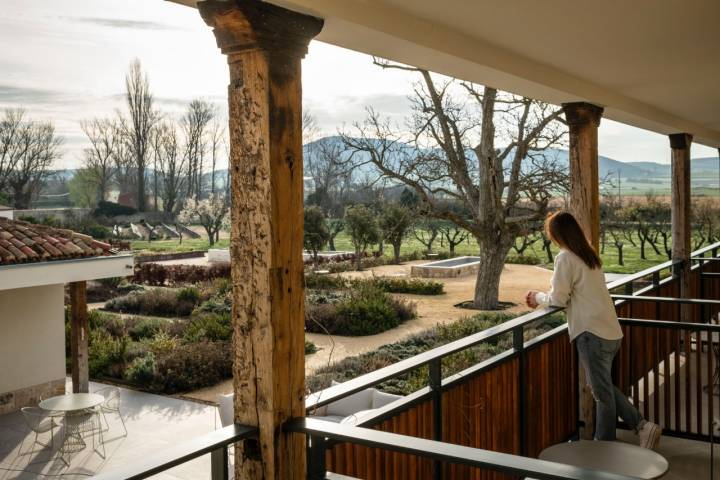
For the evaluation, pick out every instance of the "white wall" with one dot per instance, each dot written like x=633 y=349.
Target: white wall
x=7 y=214
x=32 y=336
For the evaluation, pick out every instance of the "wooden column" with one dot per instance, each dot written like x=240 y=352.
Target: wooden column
x=265 y=44
x=680 y=210
x=583 y=121
x=79 y=337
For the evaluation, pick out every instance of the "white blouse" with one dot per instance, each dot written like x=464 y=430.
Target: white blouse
x=584 y=293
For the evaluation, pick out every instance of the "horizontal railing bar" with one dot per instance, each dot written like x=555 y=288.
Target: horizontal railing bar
x=151 y=465
x=705 y=259
x=642 y=298
x=446 y=452
x=641 y=274
x=336 y=392
x=710 y=274
x=669 y=324
x=709 y=248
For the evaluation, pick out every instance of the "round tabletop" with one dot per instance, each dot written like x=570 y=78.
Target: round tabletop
x=72 y=402
x=614 y=457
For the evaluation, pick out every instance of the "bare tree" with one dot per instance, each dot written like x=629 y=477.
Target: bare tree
x=27 y=152
x=171 y=165
x=217 y=144
x=124 y=163
x=331 y=176
x=98 y=157
x=457 y=129
x=195 y=123
x=138 y=127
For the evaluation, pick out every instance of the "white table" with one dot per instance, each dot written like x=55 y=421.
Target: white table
x=77 y=418
x=614 y=457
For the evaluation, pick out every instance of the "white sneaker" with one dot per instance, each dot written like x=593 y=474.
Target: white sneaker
x=650 y=435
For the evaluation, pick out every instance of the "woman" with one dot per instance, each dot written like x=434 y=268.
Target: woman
x=578 y=284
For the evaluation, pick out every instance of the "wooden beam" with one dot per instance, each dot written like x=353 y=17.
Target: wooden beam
x=583 y=120
x=265 y=44
x=680 y=144
x=79 y=337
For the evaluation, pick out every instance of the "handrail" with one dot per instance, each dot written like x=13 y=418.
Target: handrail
x=643 y=298
x=215 y=443
x=445 y=452
x=670 y=324
x=336 y=392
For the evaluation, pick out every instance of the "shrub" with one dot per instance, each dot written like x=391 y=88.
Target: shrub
x=161 y=343
x=105 y=352
x=310 y=347
x=156 y=301
x=192 y=366
x=208 y=326
x=188 y=294
x=316 y=281
x=221 y=304
x=158 y=274
x=111 y=209
x=111 y=282
x=365 y=311
x=412 y=286
x=142 y=370
x=523 y=260
x=142 y=328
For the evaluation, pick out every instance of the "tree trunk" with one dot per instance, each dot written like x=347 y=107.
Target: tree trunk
x=331 y=244
x=642 y=248
x=396 y=251
x=621 y=260
x=492 y=261
x=358 y=260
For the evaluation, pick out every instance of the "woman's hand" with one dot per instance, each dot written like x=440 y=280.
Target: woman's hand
x=530 y=299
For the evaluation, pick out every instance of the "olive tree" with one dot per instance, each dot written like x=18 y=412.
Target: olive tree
x=362 y=228
x=395 y=224
x=316 y=233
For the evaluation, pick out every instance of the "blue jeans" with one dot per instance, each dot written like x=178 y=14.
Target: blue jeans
x=596 y=356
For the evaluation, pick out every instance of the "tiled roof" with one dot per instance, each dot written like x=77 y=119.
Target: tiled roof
x=23 y=242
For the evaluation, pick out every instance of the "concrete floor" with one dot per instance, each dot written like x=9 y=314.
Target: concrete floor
x=153 y=422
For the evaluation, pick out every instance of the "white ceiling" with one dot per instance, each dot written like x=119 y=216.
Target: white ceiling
x=654 y=64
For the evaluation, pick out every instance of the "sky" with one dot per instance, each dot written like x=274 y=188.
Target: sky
x=65 y=61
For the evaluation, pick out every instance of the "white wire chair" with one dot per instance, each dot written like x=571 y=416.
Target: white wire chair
x=41 y=421
x=111 y=404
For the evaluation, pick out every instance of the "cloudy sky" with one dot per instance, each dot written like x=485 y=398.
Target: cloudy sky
x=65 y=60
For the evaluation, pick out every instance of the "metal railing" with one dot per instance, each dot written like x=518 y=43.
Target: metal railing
x=215 y=443
x=320 y=432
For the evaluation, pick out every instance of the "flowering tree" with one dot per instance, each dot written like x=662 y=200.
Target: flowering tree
x=210 y=213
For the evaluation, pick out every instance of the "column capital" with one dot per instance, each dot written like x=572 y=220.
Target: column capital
x=680 y=140
x=582 y=113
x=241 y=25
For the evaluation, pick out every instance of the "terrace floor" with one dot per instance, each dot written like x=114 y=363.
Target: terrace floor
x=153 y=422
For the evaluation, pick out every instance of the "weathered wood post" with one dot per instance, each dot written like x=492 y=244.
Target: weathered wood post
x=583 y=121
x=265 y=44
x=79 y=337
x=680 y=212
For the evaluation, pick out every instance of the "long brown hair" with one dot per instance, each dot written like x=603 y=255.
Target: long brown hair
x=564 y=230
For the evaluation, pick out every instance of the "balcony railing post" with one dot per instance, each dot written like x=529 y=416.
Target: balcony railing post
x=518 y=338
x=219 y=464
x=316 y=469
x=656 y=289
x=435 y=383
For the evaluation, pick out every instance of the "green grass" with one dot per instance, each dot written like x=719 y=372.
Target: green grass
x=633 y=262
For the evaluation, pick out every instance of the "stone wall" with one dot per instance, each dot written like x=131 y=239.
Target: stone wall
x=30 y=396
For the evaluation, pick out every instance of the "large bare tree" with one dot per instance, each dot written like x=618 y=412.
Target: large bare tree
x=138 y=127
x=474 y=146
x=97 y=159
x=171 y=165
x=195 y=124
x=28 y=150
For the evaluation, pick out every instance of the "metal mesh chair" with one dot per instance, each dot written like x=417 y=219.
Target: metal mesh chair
x=40 y=421
x=111 y=404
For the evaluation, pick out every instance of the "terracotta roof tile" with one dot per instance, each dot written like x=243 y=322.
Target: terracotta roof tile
x=22 y=242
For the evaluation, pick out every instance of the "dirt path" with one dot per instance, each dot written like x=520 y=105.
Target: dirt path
x=432 y=310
